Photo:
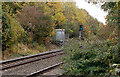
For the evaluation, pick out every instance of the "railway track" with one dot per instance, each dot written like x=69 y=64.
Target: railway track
x=29 y=59
x=42 y=71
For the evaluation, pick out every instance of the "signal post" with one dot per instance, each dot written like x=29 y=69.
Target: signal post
x=80 y=31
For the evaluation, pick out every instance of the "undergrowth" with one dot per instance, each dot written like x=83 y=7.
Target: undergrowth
x=90 y=57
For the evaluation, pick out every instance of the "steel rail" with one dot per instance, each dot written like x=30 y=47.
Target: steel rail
x=41 y=56
x=44 y=70
x=30 y=56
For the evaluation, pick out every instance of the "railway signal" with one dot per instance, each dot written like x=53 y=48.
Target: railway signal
x=80 y=30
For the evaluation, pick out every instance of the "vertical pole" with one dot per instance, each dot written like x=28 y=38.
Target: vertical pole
x=80 y=35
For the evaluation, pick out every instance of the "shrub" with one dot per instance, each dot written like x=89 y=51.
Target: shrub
x=12 y=31
x=92 y=59
x=38 y=47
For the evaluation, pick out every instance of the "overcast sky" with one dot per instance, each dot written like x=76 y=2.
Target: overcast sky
x=93 y=10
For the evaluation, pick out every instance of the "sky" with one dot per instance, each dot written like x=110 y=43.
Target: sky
x=93 y=10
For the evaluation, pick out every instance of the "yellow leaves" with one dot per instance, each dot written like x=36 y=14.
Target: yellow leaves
x=24 y=4
x=89 y=31
x=71 y=30
x=96 y=58
x=90 y=26
x=18 y=12
x=59 y=17
x=112 y=70
x=84 y=26
x=52 y=33
x=73 y=17
x=15 y=28
x=49 y=4
x=56 y=9
x=72 y=21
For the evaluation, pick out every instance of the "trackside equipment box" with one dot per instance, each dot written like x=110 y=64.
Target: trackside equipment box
x=60 y=35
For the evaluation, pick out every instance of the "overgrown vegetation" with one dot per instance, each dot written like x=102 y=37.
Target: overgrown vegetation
x=93 y=58
x=96 y=55
x=33 y=24
x=27 y=28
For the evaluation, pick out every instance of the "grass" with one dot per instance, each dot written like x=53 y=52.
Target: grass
x=21 y=49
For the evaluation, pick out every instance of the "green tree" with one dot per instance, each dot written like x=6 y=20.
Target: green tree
x=12 y=31
x=113 y=20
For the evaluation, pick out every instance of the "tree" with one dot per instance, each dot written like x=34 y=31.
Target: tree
x=12 y=31
x=57 y=13
x=113 y=20
x=36 y=23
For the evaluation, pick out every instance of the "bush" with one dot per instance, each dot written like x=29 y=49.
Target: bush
x=38 y=47
x=12 y=31
x=92 y=59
